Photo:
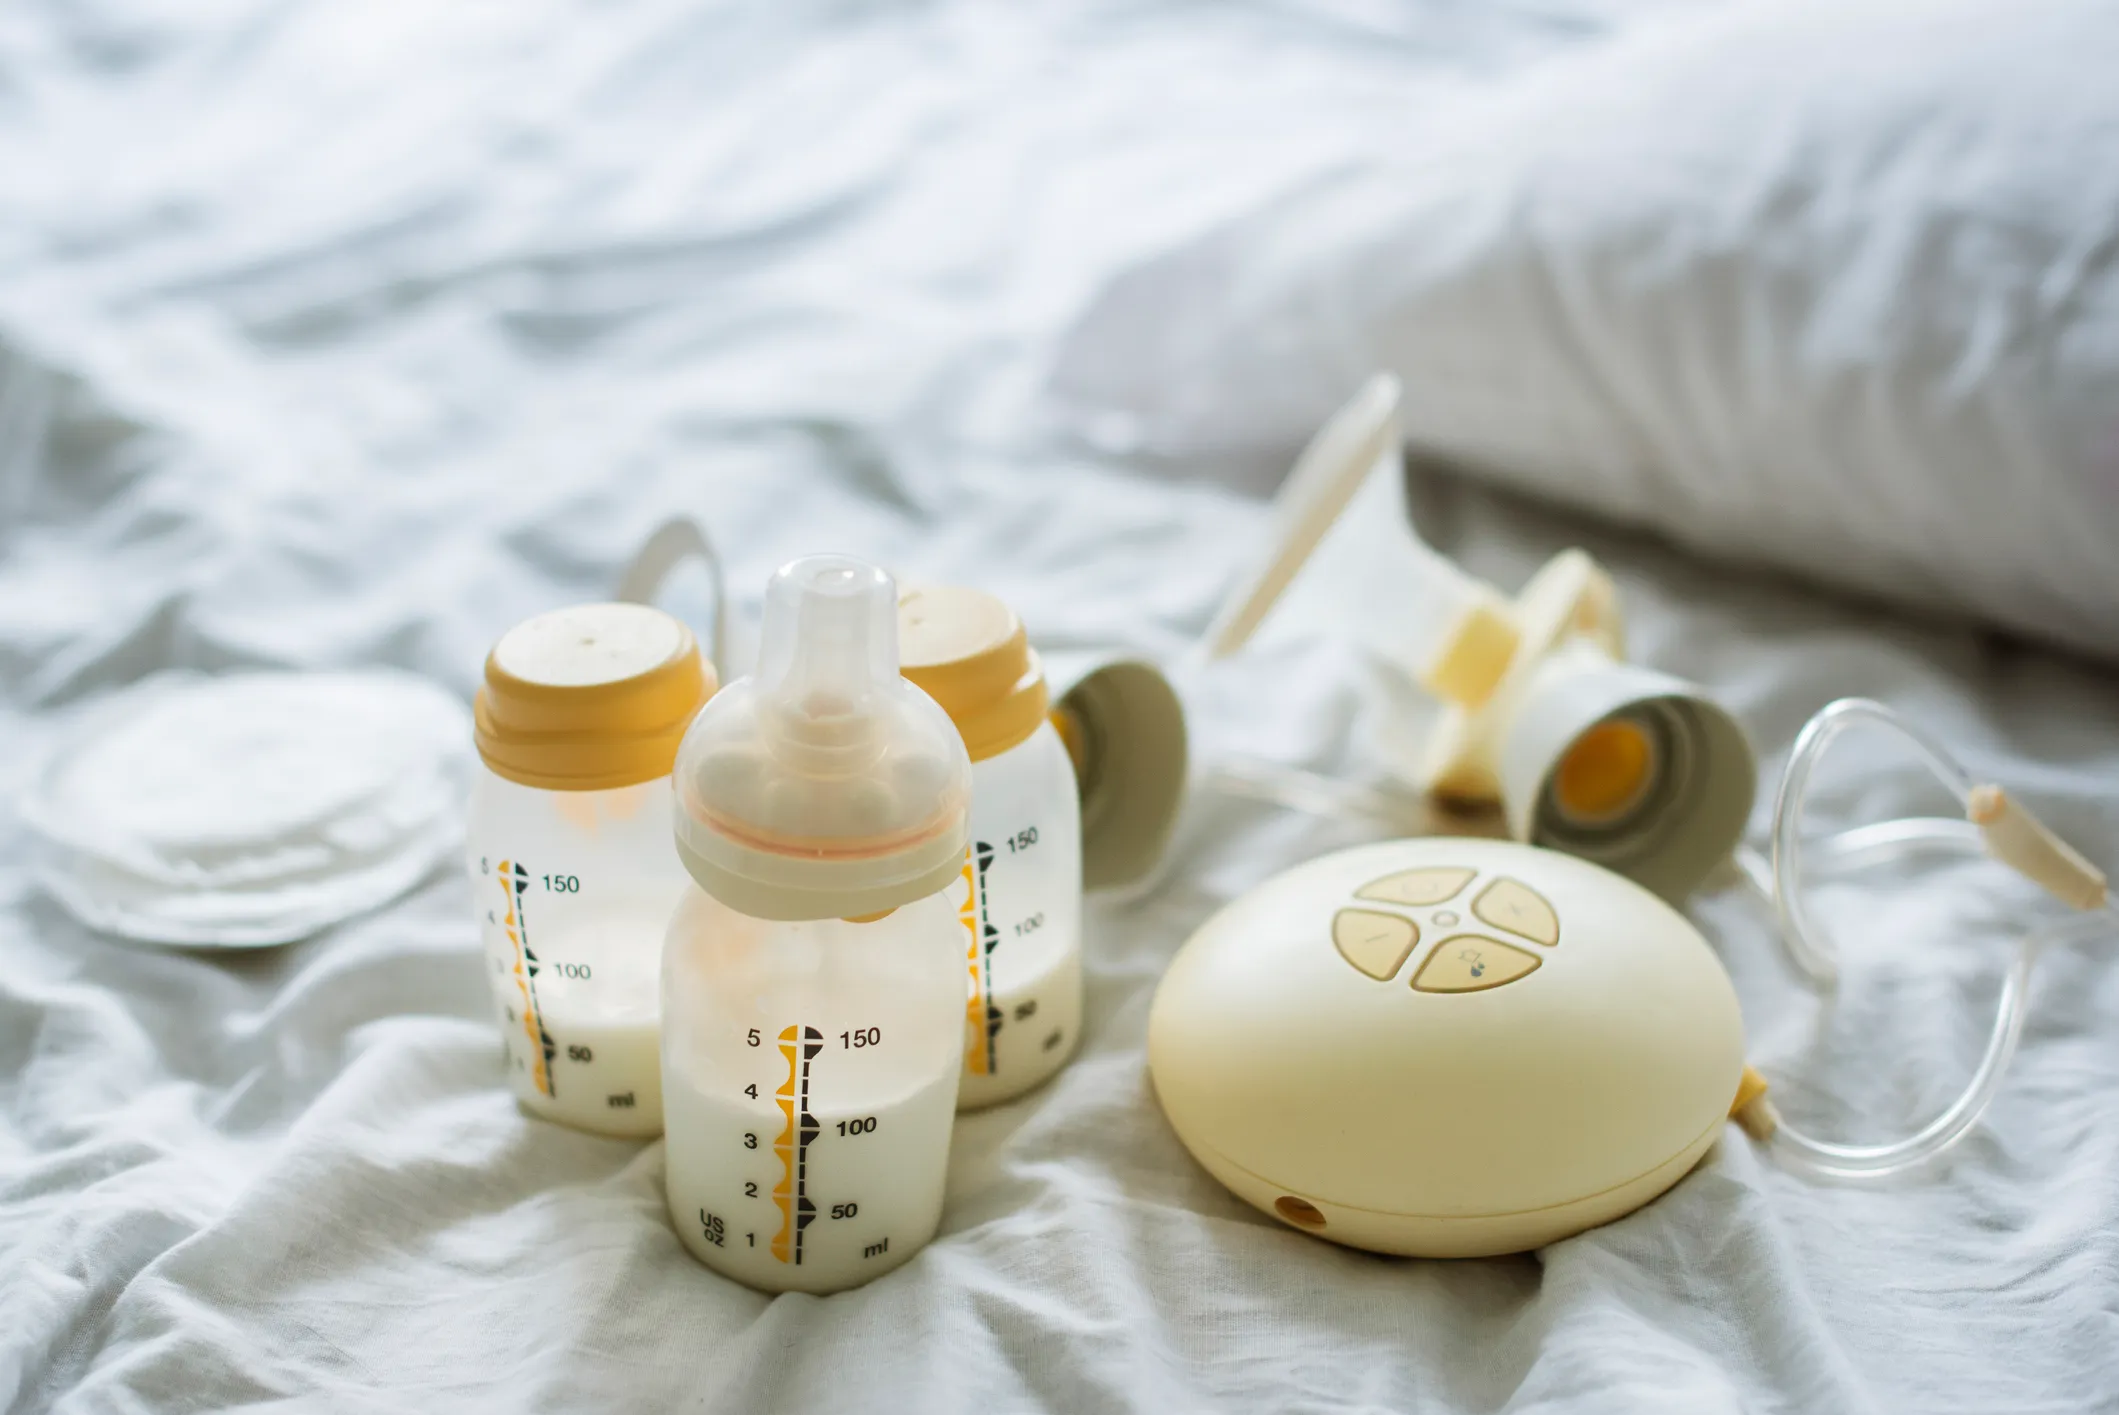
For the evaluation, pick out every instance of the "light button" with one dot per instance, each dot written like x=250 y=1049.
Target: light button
x=1469 y=963
x=1425 y=886
x=1515 y=906
x=1375 y=943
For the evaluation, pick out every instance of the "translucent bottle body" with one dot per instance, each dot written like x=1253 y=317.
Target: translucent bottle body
x=1021 y=902
x=574 y=891
x=809 y=1085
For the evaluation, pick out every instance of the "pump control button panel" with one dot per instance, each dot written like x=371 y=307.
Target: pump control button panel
x=1515 y=906
x=1470 y=963
x=1417 y=887
x=1377 y=944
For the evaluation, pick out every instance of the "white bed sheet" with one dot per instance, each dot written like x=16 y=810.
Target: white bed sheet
x=344 y=335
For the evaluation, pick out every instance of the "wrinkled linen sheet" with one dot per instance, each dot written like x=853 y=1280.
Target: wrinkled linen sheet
x=336 y=335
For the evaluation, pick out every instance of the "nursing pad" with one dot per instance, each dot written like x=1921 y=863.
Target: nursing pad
x=251 y=809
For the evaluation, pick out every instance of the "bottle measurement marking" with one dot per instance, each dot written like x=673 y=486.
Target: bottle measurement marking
x=982 y=1020
x=798 y=1047
x=514 y=886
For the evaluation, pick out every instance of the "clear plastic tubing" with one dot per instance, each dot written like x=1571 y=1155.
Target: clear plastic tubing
x=572 y=870
x=1811 y=948
x=1021 y=896
x=813 y=980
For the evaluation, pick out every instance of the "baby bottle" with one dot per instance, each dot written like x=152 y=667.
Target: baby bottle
x=1021 y=895
x=573 y=874
x=813 y=985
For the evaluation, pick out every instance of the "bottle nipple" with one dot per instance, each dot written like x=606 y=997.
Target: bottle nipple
x=830 y=649
x=824 y=785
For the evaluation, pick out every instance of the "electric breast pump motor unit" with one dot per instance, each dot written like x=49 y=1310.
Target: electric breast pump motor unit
x=1447 y=1047
x=1584 y=752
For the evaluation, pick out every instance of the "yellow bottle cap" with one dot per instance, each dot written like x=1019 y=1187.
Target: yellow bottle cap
x=967 y=651
x=590 y=698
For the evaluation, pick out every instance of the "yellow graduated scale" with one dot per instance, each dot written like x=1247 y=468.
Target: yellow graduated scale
x=1447 y=1047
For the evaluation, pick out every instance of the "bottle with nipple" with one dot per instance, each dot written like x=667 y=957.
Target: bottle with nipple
x=1021 y=895
x=813 y=983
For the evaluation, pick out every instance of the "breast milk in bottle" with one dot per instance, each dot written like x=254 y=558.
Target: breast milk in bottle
x=572 y=869
x=1021 y=895
x=813 y=993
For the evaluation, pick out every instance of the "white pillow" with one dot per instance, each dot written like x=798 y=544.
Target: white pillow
x=1833 y=286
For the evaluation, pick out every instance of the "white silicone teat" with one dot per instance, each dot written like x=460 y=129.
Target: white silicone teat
x=824 y=785
x=829 y=643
